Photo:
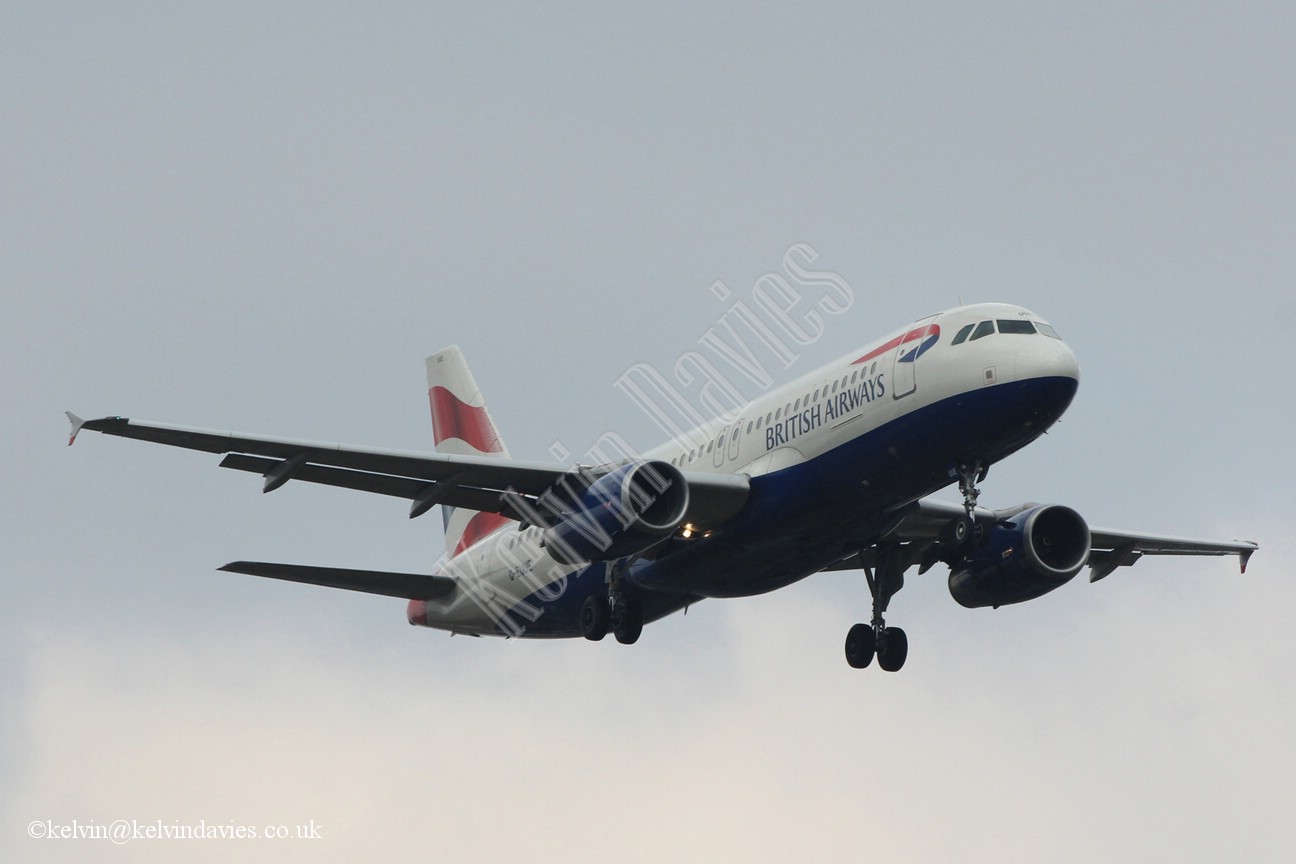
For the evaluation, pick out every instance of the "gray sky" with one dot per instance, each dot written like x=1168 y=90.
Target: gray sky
x=263 y=217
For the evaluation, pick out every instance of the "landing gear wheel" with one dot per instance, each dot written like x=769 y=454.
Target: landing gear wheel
x=627 y=622
x=595 y=618
x=959 y=534
x=889 y=644
x=892 y=649
x=860 y=645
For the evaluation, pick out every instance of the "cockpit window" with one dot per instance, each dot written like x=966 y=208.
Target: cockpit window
x=985 y=328
x=1016 y=325
x=1047 y=329
x=962 y=334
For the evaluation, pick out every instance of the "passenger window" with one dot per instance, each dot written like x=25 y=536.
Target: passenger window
x=797 y=405
x=985 y=328
x=749 y=427
x=1016 y=326
x=962 y=335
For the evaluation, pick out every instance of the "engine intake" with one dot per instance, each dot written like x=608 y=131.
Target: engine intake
x=627 y=510
x=1024 y=557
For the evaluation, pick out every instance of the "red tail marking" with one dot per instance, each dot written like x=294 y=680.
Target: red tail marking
x=454 y=418
x=478 y=527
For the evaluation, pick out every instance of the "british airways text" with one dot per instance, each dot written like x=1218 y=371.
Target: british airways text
x=826 y=410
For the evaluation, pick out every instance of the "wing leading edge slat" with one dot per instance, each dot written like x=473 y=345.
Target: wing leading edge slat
x=425 y=479
x=923 y=521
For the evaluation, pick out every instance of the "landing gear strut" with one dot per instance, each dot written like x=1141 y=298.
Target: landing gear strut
x=970 y=474
x=889 y=644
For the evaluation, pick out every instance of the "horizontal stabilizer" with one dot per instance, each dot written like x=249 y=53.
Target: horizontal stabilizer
x=411 y=586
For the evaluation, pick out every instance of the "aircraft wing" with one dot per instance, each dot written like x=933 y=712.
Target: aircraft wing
x=919 y=526
x=425 y=479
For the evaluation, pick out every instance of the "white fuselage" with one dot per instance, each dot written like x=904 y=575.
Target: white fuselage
x=509 y=576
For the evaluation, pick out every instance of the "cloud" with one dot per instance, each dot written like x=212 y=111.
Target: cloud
x=1009 y=739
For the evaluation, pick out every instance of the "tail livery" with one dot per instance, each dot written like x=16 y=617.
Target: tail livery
x=462 y=426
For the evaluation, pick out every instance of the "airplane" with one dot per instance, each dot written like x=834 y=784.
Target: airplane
x=832 y=471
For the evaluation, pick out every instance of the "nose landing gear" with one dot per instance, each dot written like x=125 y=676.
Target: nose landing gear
x=969 y=475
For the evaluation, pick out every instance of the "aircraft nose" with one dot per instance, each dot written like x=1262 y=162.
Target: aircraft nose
x=1045 y=357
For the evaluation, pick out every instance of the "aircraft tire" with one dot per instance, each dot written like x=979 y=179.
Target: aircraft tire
x=594 y=618
x=892 y=649
x=627 y=622
x=960 y=533
x=860 y=646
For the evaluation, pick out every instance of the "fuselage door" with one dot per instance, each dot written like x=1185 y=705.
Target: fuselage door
x=734 y=436
x=919 y=337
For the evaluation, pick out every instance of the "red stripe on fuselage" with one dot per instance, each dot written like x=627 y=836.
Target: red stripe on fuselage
x=916 y=333
x=454 y=418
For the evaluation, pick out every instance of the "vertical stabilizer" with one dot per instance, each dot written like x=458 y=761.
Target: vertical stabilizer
x=461 y=425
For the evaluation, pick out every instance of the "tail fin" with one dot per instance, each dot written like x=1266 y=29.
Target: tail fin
x=462 y=426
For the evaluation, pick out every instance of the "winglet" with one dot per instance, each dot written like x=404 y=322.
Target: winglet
x=77 y=423
x=1244 y=557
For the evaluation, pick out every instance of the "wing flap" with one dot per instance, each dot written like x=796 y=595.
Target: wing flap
x=410 y=586
x=526 y=477
x=472 y=482
x=1112 y=549
x=445 y=491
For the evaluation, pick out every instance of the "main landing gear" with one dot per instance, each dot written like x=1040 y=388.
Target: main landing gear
x=889 y=644
x=617 y=611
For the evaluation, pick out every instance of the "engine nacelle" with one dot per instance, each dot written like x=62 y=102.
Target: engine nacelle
x=1024 y=557
x=625 y=511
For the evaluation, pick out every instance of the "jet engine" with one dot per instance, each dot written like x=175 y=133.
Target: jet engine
x=1023 y=557
x=625 y=511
